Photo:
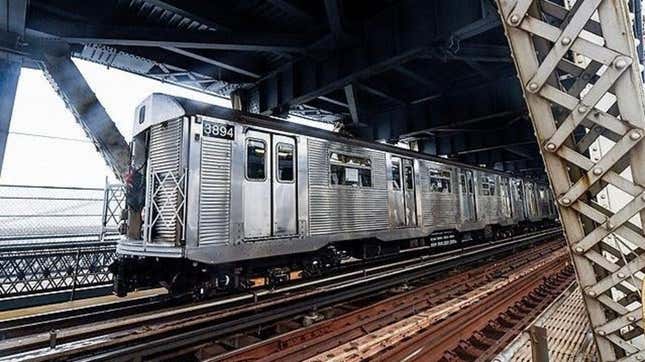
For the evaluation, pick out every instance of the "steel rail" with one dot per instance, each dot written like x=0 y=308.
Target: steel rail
x=189 y=325
x=434 y=342
x=326 y=335
x=43 y=322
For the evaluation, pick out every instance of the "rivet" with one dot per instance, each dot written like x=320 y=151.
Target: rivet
x=634 y=135
x=609 y=225
x=591 y=293
x=596 y=114
x=594 y=149
x=514 y=19
x=601 y=332
x=551 y=146
x=621 y=275
x=582 y=109
x=533 y=87
x=579 y=249
x=565 y=201
x=603 y=196
x=639 y=358
x=597 y=171
x=631 y=318
x=566 y=40
x=620 y=63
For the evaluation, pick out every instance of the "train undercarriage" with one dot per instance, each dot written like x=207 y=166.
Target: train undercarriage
x=183 y=277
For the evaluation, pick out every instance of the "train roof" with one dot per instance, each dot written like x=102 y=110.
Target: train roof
x=160 y=107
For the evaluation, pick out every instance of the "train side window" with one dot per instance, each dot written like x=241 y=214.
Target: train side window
x=285 y=162
x=462 y=181
x=396 y=175
x=440 y=181
x=488 y=186
x=349 y=170
x=255 y=160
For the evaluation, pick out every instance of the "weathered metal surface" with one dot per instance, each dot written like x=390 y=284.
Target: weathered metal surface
x=568 y=332
x=70 y=84
x=589 y=78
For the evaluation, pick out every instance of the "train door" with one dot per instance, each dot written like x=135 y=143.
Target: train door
x=396 y=189
x=409 y=193
x=467 y=186
x=284 y=185
x=403 y=189
x=505 y=195
x=269 y=185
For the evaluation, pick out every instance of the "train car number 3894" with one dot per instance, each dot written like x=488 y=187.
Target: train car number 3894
x=218 y=130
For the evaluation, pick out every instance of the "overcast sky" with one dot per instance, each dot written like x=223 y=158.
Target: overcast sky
x=47 y=147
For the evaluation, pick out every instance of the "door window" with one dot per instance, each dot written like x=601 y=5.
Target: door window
x=256 y=160
x=396 y=175
x=409 y=179
x=285 y=162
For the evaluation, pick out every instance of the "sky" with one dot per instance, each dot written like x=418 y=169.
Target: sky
x=47 y=147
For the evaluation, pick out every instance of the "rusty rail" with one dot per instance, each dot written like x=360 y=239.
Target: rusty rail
x=321 y=338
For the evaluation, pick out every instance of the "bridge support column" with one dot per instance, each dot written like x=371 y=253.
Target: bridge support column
x=9 y=73
x=580 y=71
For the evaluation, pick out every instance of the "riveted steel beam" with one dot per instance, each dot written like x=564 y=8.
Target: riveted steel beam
x=605 y=99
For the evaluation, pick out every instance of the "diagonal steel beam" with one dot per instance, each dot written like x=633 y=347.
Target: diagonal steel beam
x=12 y=21
x=69 y=83
x=9 y=73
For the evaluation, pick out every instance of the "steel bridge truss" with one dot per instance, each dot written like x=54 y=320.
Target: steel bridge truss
x=580 y=74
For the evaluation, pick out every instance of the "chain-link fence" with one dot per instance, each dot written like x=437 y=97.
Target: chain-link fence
x=41 y=212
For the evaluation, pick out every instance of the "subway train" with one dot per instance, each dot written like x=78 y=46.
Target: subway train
x=221 y=199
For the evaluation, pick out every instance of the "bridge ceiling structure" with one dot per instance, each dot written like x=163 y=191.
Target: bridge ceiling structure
x=437 y=73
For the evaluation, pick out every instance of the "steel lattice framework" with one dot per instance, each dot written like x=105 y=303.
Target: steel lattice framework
x=580 y=74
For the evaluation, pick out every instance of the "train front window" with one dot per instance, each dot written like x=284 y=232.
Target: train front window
x=285 y=162
x=255 y=160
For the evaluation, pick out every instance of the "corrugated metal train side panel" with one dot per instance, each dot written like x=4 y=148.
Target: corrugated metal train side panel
x=339 y=209
x=164 y=157
x=215 y=191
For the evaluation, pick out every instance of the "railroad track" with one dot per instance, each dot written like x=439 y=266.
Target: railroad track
x=447 y=306
x=15 y=324
x=152 y=334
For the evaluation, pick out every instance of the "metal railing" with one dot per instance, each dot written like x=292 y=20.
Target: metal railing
x=56 y=243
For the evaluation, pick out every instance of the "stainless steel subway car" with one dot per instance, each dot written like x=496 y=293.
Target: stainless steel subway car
x=217 y=196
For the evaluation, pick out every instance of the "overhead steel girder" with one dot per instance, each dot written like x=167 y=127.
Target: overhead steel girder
x=69 y=83
x=607 y=249
x=383 y=48
x=141 y=36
